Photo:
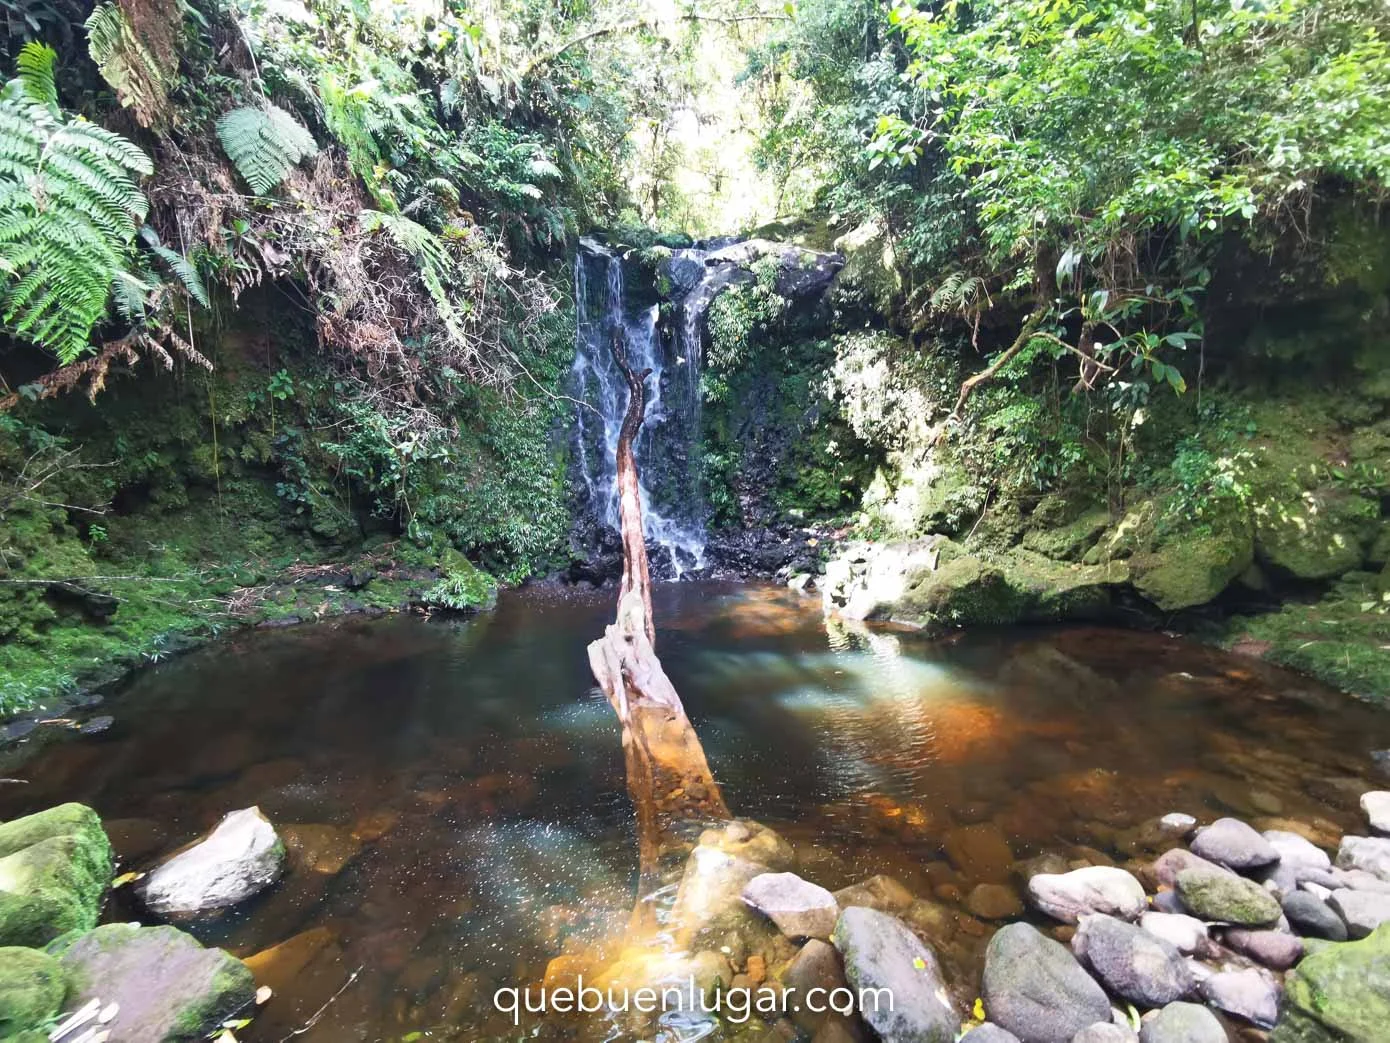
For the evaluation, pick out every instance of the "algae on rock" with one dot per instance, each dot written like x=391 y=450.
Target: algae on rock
x=54 y=870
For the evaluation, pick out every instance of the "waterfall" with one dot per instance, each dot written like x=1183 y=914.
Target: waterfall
x=667 y=446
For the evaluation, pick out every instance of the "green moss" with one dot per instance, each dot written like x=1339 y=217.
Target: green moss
x=1338 y=994
x=1068 y=541
x=32 y=988
x=54 y=870
x=1192 y=569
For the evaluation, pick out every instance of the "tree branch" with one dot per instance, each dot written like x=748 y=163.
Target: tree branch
x=1030 y=327
x=632 y=25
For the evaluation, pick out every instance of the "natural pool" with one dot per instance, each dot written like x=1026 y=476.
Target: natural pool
x=455 y=790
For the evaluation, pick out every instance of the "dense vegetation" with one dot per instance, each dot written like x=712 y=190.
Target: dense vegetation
x=286 y=286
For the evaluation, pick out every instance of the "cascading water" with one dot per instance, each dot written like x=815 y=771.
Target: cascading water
x=667 y=446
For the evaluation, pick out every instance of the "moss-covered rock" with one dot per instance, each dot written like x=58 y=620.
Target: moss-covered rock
x=1215 y=894
x=32 y=988
x=54 y=869
x=1070 y=540
x=168 y=988
x=961 y=591
x=1339 y=994
x=1194 y=568
x=1318 y=534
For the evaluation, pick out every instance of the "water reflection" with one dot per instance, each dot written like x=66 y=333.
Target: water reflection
x=458 y=788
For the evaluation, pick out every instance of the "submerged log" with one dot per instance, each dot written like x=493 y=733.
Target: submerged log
x=668 y=777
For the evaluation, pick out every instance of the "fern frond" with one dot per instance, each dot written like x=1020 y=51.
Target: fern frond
x=35 y=66
x=263 y=144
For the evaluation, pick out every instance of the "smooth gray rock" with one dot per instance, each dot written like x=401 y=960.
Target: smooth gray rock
x=165 y=986
x=989 y=1033
x=816 y=966
x=1185 y=933
x=1359 y=880
x=1231 y=843
x=1313 y=918
x=1105 y=1032
x=1094 y=889
x=881 y=953
x=1276 y=950
x=1169 y=902
x=1277 y=878
x=1251 y=994
x=1130 y=962
x=799 y=908
x=1376 y=806
x=1297 y=852
x=240 y=857
x=1216 y=894
x=1182 y=1023
x=1034 y=988
x=1361 y=911
x=1369 y=854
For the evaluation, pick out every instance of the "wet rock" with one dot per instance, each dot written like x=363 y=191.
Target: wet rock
x=752 y=842
x=1169 y=902
x=883 y=893
x=55 y=866
x=281 y=964
x=994 y=902
x=1340 y=791
x=1222 y=896
x=816 y=966
x=1167 y=866
x=242 y=856
x=1130 y=962
x=1298 y=853
x=1177 y=824
x=1361 y=911
x=320 y=848
x=980 y=852
x=1182 y=1023
x=1358 y=880
x=1094 y=889
x=1185 y=933
x=1369 y=854
x=1231 y=843
x=1339 y=994
x=800 y=909
x=32 y=987
x=711 y=890
x=1314 y=918
x=1276 y=950
x=989 y=1033
x=1251 y=994
x=1105 y=1032
x=881 y=953
x=1034 y=988
x=167 y=988
x=1376 y=806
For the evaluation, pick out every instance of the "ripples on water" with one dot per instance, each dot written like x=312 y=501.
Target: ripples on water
x=478 y=823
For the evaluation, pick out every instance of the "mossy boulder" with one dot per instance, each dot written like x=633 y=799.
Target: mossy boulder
x=1050 y=591
x=168 y=988
x=1316 y=533
x=1071 y=540
x=1340 y=993
x=1219 y=895
x=963 y=590
x=1192 y=569
x=55 y=867
x=32 y=988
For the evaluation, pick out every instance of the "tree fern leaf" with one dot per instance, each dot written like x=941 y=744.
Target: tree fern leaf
x=263 y=144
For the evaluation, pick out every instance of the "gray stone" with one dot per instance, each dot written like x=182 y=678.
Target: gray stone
x=1169 y=902
x=1105 y=1032
x=165 y=985
x=242 y=856
x=1215 y=894
x=1361 y=911
x=1376 y=806
x=800 y=909
x=1276 y=950
x=1314 y=918
x=710 y=895
x=1130 y=962
x=1034 y=988
x=1185 y=933
x=881 y=953
x=1369 y=854
x=1251 y=994
x=1094 y=889
x=1182 y=1023
x=815 y=967
x=1231 y=843
x=988 y=1033
x=1297 y=852
x=1177 y=824
x=1359 y=880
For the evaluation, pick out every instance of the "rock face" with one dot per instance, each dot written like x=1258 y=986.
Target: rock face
x=239 y=858
x=1231 y=843
x=1182 y=1023
x=881 y=953
x=1339 y=994
x=1251 y=994
x=1130 y=962
x=1094 y=889
x=168 y=988
x=799 y=909
x=1369 y=854
x=1361 y=911
x=1034 y=988
x=1214 y=894
x=54 y=869
x=32 y=987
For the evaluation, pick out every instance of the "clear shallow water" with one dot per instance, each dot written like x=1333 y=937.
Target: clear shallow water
x=460 y=786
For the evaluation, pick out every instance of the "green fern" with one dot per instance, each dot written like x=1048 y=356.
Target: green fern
x=264 y=144
x=179 y=265
x=70 y=207
x=139 y=61
x=432 y=260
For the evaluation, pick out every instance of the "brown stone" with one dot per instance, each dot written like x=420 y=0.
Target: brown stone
x=980 y=852
x=319 y=848
x=994 y=902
